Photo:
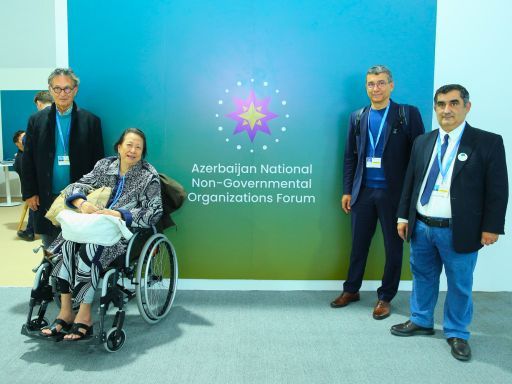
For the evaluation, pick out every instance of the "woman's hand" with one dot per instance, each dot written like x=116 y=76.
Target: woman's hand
x=84 y=206
x=109 y=212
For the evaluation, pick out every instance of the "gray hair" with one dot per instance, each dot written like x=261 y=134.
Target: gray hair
x=464 y=94
x=378 y=69
x=64 y=72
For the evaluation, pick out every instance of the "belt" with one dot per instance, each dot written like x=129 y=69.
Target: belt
x=434 y=221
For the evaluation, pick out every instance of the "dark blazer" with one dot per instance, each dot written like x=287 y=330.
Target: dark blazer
x=479 y=186
x=397 y=148
x=85 y=149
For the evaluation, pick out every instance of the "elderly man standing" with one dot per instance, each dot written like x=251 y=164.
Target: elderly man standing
x=63 y=143
x=453 y=203
x=377 y=152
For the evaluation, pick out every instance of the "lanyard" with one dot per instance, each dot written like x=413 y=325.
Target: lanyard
x=119 y=190
x=59 y=128
x=444 y=171
x=372 y=143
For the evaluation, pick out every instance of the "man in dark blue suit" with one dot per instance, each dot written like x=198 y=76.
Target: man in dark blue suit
x=377 y=152
x=453 y=203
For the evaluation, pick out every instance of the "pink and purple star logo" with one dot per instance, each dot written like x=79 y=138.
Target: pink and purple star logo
x=252 y=115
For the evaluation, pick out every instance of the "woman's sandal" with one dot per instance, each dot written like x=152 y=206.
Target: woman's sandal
x=75 y=330
x=65 y=327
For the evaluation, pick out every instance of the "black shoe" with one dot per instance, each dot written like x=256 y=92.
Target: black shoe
x=25 y=235
x=460 y=348
x=64 y=328
x=76 y=330
x=410 y=329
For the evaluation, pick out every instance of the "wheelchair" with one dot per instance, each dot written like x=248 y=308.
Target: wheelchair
x=148 y=273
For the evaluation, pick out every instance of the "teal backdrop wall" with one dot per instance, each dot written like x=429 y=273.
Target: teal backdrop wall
x=17 y=106
x=246 y=103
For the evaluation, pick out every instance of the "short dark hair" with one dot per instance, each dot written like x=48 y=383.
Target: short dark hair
x=44 y=97
x=64 y=72
x=138 y=132
x=17 y=135
x=378 y=69
x=464 y=94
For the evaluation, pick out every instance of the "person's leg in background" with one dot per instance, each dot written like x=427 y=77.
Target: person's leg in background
x=393 y=246
x=28 y=233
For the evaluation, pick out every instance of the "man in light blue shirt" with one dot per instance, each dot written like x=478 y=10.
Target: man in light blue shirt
x=63 y=143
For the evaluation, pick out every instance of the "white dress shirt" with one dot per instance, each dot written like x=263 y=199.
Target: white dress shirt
x=439 y=203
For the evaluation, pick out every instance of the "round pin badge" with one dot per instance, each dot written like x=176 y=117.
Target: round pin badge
x=462 y=156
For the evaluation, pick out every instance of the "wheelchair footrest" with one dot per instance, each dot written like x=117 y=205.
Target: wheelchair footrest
x=36 y=334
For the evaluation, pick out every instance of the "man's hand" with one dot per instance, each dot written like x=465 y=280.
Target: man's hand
x=402 y=229
x=345 y=203
x=33 y=202
x=489 y=238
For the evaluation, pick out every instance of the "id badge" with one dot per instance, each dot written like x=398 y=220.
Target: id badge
x=441 y=191
x=373 y=162
x=63 y=160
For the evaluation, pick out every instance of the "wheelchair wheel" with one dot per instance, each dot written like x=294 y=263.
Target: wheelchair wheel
x=157 y=274
x=115 y=340
x=42 y=289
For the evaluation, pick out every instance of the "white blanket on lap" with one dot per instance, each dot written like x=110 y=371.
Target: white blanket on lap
x=92 y=228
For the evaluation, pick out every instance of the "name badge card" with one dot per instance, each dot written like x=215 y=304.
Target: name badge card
x=441 y=190
x=63 y=160
x=373 y=162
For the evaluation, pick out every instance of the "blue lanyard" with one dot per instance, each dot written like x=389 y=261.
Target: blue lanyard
x=372 y=143
x=444 y=171
x=118 y=192
x=60 y=133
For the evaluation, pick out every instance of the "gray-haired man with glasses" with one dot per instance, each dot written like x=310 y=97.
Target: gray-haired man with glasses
x=377 y=151
x=63 y=143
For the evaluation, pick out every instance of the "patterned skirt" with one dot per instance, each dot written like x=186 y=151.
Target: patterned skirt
x=79 y=269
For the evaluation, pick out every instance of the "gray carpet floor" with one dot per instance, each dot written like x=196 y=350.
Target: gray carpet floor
x=264 y=337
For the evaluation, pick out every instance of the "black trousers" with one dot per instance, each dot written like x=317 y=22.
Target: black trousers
x=372 y=205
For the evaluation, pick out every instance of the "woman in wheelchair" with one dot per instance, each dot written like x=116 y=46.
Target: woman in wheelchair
x=135 y=198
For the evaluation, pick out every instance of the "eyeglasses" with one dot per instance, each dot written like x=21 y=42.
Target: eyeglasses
x=378 y=84
x=67 y=90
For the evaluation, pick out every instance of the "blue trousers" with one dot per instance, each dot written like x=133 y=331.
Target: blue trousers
x=372 y=205
x=431 y=249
